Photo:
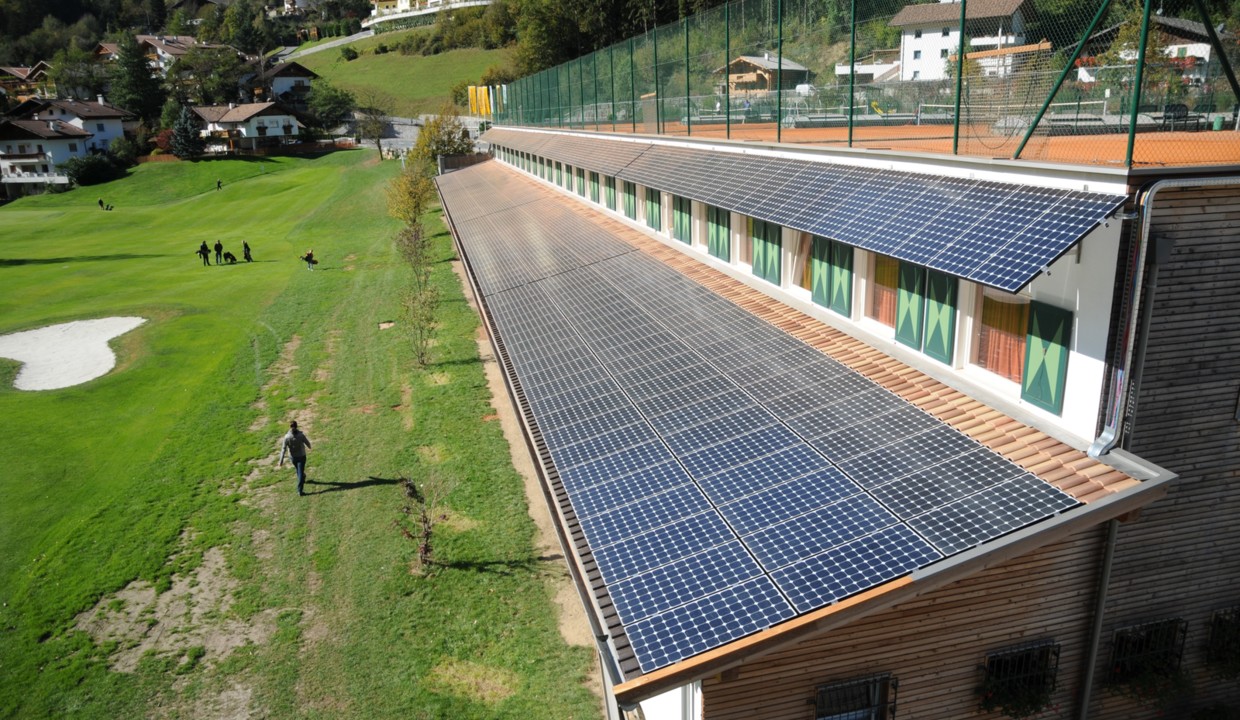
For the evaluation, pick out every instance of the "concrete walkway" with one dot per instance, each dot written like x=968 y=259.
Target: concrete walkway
x=331 y=44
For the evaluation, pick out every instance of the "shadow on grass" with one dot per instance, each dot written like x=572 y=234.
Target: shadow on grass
x=337 y=486
x=500 y=567
x=14 y=262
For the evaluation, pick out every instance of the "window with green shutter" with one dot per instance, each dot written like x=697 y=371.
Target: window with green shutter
x=1046 y=356
x=766 y=251
x=719 y=233
x=681 y=219
x=654 y=209
x=559 y=173
x=581 y=182
x=910 y=302
x=940 y=340
x=831 y=275
x=594 y=187
x=630 y=200
x=609 y=191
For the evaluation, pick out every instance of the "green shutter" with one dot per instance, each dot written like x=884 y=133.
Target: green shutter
x=581 y=182
x=910 y=305
x=630 y=200
x=594 y=187
x=1046 y=356
x=609 y=192
x=681 y=219
x=718 y=226
x=559 y=174
x=654 y=211
x=940 y=316
x=766 y=251
x=841 y=278
x=820 y=270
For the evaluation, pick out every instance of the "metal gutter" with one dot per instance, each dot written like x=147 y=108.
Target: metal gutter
x=1122 y=389
x=1100 y=606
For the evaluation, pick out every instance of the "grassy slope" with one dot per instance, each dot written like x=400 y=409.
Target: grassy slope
x=418 y=84
x=102 y=480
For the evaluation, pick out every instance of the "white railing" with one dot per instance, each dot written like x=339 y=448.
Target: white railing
x=426 y=7
x=25 y=177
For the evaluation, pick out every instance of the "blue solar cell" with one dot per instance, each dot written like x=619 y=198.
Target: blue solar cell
x=719 y=429
x=685 y=580
x=945 y=482
x=837 y=416
x=591 y=426
x=901 y=455
x=680 y=398
x=871 y=434
x=738 y=450
x=669 y=357
x=859 y=565
x=645 y=514
x=792 y=461
x=781 y=502
x=623 y=490
x=583 y=411
x=599 y=446
x=709 y=622
x=615 y=465
x=991 y=513
x=799 y=537
x=661 y=546
x=548 y=383
x=658 y=385
x=575 y=396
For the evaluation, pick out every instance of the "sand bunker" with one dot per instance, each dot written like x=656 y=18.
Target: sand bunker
x=60 y=356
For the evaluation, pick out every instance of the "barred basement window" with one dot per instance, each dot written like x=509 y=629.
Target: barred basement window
x=1223 y=652
x=1145 y=661
x=1019 y=681
x=867 y=698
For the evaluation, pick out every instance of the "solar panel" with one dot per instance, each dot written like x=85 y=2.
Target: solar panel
x=685 y=580
x=749 y=477
x=827 y=527
x=785 y=500
x=991 y=513
x=625 y=489
x=650 y=512
x=662 y=545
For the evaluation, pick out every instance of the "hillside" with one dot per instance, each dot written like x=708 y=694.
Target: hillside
x=418 y=84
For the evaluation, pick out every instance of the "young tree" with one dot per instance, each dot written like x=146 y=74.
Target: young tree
x=211 y=76
x=409 y=194
x=374 y=107
x=77 y=74
x=134 y=87
x=442 y=135
x=186 y=142
x=328 y=105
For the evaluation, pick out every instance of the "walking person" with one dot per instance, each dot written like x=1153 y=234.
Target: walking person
x=309 y=258
x=219 y=253
x=245 y=251
x=295 y=444
x=219 y=184
x=204 y=253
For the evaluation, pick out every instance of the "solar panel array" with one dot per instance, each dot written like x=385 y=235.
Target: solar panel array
x=997 y=234
x=725 y=475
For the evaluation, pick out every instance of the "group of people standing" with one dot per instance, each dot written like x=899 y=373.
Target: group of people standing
x=221 y=256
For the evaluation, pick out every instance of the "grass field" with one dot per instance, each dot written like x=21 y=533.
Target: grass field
x=418 y=84
x=153 y=561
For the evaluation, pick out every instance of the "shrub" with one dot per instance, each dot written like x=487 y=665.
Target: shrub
x=381 y=49
x=125 y=151
x=91 y=170
x=163 y=141
x=348 y=53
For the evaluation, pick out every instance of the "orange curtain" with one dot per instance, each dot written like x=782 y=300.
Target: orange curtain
x=1001 y=341
x=882 y=306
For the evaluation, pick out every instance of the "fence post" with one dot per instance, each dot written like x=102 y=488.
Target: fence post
x=959 y=81
x=595 y=64
x=658 y=92
x=852 y=68
x=632 y=87
x=611 y=60
x=1136 y=83
x=779 y=71
x=727 y=65
x=688 y=110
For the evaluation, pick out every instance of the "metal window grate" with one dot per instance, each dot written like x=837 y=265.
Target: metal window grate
x=865 y=698
x=1019 y=681
x=1154 y=648
x=1223 y=650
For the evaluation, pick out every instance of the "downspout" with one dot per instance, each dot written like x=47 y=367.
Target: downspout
x=1100 y=606
x=1122 y=388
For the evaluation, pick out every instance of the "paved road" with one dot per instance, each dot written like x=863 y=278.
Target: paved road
x=330 y=44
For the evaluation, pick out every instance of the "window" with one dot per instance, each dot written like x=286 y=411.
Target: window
x=916 y=74
x=831 y=265
x=910 y=302
x=654 y=209
x=72 y=147
x=581 y=182
x=884 y=278
x=1046 y=356
x=1020 y=681
x=99 y=127
x=947 y=32
x=1001 y=334
x=1223 y=650
x=765 y=237
x=916 y=34
x=559 y=173
x=719 y=233
x=630 y=200
x=609 y=192
x=926 y=311
x=1145 y=659
x=594 y=187
x=802 y=267
x=682 y=224
x=943 y=53
x=868 y=698
x=916 y=54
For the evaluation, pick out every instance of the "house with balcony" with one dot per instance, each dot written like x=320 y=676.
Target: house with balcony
x=287 y=82
x=1185 y=46
x=232 y=127
x=20 y=83
x=930 y=36
x=31 y=150
x=104 y=121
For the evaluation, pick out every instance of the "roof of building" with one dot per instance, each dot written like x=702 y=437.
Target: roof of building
x=289 y=69
x=20 y=73
x=644 y=543
x=949 y=12
x=41 y=129
x=237 y=113
x=1175 y=27
x=766 y=62
x=85 y=109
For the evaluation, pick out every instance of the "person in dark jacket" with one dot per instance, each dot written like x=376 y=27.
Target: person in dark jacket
x=219 y=253
x=295 y=444
x=204 y=253
x=245 y=251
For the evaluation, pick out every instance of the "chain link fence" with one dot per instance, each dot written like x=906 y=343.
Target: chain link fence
x=1105 y=82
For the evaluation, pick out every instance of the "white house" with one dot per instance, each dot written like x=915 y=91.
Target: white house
x=102 y=120
x=930 y=36
x=287 y=82
x=30 y=150
x=1186 y=43
x=246 y=127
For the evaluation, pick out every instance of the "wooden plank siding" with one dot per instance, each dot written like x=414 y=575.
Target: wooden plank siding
x=933 y=645
x=1181 y=557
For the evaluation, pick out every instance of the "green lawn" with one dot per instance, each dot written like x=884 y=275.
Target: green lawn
x=140 y=474
x=418 y=84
